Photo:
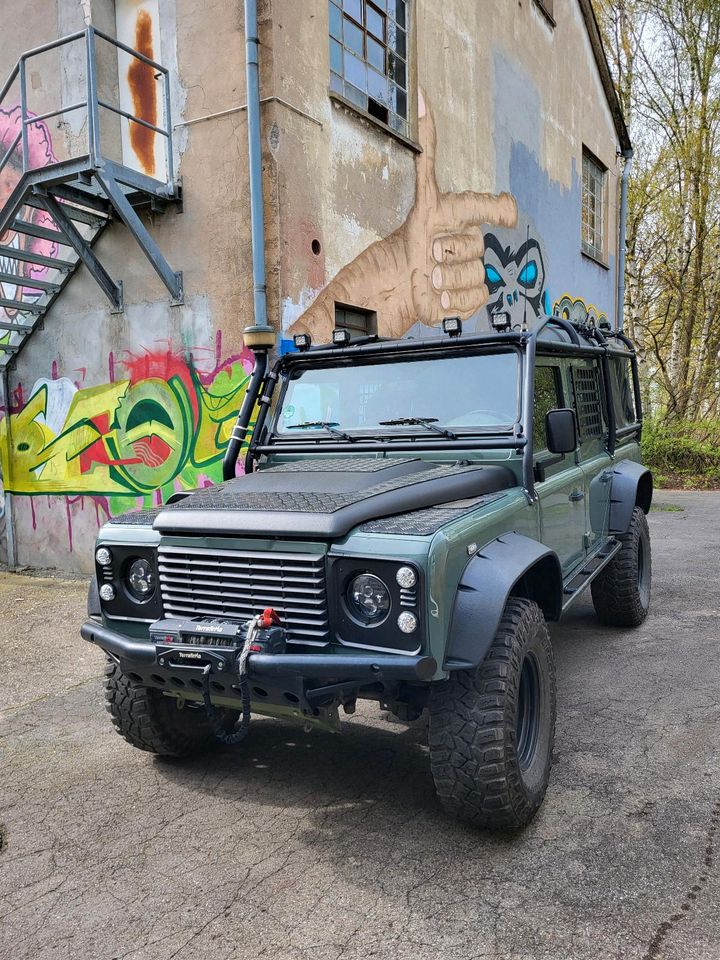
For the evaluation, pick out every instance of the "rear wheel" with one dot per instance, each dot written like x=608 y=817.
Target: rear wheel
x=621 y=592
x=492 y=729
x=150 y=721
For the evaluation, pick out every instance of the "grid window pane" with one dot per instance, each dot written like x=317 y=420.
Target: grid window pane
x=375 y=22
x=335 y=18
x=593 y=190
x=376 y=54
x=336 y=56
x=355 y=71
x=353 y=37
x=368 y=56
x=354 y=8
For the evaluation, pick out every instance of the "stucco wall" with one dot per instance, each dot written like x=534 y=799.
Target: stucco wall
x=503 y=104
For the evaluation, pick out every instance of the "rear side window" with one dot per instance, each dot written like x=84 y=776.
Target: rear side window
x=588 y=401
x=622 y=390
x=548 y=396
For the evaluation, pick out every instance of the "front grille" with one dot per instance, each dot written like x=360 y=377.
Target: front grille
x=236 y=585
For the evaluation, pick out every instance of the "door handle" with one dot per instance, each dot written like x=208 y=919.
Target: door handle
x=577 y=495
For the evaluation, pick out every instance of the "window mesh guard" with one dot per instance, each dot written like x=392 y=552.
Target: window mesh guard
x=588 y=402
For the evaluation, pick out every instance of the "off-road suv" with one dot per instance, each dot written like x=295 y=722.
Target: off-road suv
x=411 y=515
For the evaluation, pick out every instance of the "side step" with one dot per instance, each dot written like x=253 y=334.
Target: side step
x=591 y=567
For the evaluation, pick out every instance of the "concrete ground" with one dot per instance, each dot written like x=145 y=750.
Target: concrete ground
x=319 y=846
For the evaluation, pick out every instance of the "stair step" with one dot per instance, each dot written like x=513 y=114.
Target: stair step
x=80 y=197
x=20 y=306
x=94 y=220
x=33 y=284
x=53 y=262
x=42 y=233
x=16 y=327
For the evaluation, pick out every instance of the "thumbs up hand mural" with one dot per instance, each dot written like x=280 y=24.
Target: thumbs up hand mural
x=428 y=269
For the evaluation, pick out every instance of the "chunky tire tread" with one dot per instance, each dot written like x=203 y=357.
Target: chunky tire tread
x=616 y=597
x=150 y=721
x=473 y=728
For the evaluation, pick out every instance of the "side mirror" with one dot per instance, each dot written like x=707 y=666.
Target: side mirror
x=561 y=431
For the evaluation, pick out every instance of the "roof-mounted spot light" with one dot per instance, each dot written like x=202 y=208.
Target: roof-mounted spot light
x=452 y=326
x=341 y=338
x=302 y=341
x=500 y=320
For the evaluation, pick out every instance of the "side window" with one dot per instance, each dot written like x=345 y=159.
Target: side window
x=587 y=388
x=622 y=391
x=548 y=396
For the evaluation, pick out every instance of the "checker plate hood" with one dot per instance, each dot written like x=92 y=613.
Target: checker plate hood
x=326 y=498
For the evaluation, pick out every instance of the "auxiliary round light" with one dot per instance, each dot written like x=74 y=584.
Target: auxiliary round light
x=107 y=592
x=103 y=556
x=368 y=599
x=407 y=622
x=141 y=579
x=406 y=577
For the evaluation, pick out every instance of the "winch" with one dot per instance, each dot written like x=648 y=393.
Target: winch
x=211 y=644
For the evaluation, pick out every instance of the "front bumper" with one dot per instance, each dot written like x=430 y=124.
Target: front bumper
x=294 y=675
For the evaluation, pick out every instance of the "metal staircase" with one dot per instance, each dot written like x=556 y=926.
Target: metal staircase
x=57 y=209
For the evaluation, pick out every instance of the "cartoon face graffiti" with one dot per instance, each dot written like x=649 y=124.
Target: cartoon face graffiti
x=515 y=280
x=40 y=154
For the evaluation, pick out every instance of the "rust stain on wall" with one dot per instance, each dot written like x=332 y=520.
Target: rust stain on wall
x=143 y=88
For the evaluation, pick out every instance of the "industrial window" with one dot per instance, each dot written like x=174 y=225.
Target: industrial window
x=588 y=401
x=369 y=57
x=360 y=323
x=547 y=8
x=548 y=396
x=593 y=205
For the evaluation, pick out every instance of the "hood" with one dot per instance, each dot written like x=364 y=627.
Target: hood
x=326 y=498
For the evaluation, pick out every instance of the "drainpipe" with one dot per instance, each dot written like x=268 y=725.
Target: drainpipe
x=259 y=336
x=620 y=319
x=9 y=527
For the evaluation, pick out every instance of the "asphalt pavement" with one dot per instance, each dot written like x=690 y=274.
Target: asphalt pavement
x=314 y=846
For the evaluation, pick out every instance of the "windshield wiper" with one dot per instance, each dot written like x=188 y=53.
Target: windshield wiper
x=323 y=425
x=427 y=422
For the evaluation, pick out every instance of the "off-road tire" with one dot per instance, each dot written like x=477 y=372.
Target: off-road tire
x=152 y=722
x=483 y=768
x=621 y=592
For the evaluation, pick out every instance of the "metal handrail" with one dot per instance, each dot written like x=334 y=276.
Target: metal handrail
x=92 y=103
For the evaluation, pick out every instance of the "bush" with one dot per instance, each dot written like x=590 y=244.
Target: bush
x=683 y=454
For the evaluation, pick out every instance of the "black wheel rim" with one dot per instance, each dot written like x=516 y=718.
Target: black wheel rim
x=528 y=714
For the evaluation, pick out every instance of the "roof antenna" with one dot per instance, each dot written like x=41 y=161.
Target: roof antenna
x=527 y=254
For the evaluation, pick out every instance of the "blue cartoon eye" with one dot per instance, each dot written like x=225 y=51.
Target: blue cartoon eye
x=529 y=274
x=491 y=275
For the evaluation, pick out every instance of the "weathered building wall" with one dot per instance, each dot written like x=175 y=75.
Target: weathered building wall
x=478 y=208
x=508 y=101
x=113 y=411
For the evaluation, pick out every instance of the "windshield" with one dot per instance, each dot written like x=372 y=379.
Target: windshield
x=458 y=393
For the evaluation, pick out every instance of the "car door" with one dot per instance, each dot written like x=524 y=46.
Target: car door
x=592 y=417
x=560 y=481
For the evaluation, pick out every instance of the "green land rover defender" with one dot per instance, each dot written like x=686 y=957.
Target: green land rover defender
x=412 y=513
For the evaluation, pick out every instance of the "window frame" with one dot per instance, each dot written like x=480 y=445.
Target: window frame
x=547 y=8
x=600 y=175
x=387 y=112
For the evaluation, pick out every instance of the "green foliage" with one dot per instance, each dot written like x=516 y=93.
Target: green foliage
x=682 y=453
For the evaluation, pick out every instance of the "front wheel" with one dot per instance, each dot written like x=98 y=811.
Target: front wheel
x=621 y=591
x=492 y=729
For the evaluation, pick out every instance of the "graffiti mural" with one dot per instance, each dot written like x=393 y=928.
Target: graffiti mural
x=163 y=427
x=576 y=309
x=429 y=268
x=515 y=279
x=16 y=276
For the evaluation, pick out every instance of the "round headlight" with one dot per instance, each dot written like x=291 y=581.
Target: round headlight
x=141 y=579
x=406 y=577
x=407 y=622
x=368 y=599
x=107 y=592
x=103 y=556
